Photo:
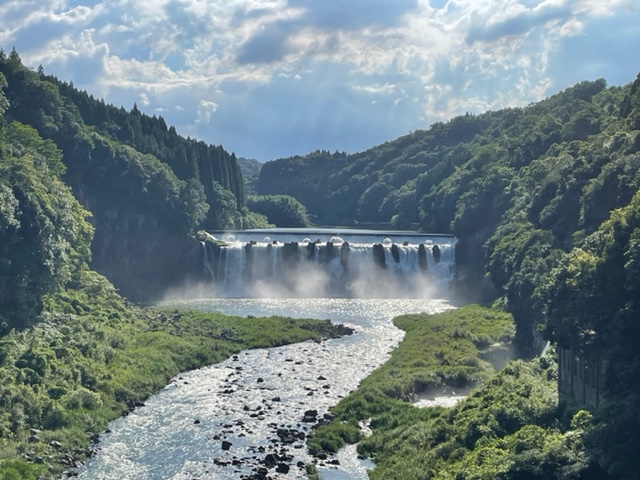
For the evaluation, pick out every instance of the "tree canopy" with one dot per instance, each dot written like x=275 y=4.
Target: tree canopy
x=518 y=187
x=148 y=188
x=45 y=237
x=280 y=210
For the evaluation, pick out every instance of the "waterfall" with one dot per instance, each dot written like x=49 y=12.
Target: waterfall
x=347 y=265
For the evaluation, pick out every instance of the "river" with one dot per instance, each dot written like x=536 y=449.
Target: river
x=178 y=434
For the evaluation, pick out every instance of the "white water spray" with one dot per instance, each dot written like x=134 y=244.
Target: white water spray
x=371 y=265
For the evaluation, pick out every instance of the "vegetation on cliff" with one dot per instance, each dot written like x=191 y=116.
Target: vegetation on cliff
x=73 y=354
x=148 y=188
x=44 y=234
x=518 y=187
x=592 y=305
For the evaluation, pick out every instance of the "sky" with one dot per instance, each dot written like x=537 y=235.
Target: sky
x=275 y=78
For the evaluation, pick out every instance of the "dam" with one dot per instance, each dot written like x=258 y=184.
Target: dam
x=328 y=262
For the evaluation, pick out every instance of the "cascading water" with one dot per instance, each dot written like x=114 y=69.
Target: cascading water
x=360 y=265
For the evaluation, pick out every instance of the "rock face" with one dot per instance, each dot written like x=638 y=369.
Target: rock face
x=142 y=259
x=311 y=248
x=378 y=255
x=422 y=257
x=436 y=253
x=344 y=255
x=395 y=253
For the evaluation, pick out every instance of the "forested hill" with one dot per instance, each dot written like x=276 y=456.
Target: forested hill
x=544 y=200
x=517 y=186
x=545 y=203
x=147 y=187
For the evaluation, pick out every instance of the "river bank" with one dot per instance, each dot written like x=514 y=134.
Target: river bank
x=89 y=362
x=251 y=414
x=509 y=426
x=440 y=350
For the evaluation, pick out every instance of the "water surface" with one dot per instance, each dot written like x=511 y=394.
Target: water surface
x=179 y=433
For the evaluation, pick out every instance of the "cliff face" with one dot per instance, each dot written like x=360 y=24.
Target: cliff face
x=142 y=259
x=150 y=270
x=471 y=284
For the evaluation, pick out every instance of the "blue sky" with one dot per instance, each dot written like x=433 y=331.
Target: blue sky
x=274 y=78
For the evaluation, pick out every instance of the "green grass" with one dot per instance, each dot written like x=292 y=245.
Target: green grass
x=433 y=353
x=509 y=428
x=438 y=350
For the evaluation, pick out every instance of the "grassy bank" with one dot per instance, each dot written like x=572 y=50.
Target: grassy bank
x=444 y=349
x=509 y=427
x=91 y=358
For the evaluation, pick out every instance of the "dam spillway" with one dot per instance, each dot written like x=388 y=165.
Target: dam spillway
x=352 y=263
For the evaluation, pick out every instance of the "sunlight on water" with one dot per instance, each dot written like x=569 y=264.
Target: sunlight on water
x=178 y=434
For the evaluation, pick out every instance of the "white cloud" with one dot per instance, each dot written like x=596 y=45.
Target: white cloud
x=290 y=60
x=144 y=100
x=206 y=109
x=571 y=28
x=376 y=88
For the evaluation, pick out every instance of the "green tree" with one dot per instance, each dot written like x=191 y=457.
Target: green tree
x=281 y=210
x=4 y=103
x=44 y=235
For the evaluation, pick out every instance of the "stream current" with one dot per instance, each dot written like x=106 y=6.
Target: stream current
x=181 y=432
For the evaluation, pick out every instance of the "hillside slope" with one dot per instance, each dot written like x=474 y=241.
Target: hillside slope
x=148 y=189
x=518 y=186
x=545 y=203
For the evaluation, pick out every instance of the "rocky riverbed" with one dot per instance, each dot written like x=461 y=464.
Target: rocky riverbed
x=249 y=416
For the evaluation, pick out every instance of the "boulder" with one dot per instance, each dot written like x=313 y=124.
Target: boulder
x=436 y=253
x=310 y=416
x=270 y=460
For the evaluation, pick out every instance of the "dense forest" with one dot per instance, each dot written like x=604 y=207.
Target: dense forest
x=250 y=169
x=519 y=187
x=74 y=355
x=147 y=188
x=544 y=201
